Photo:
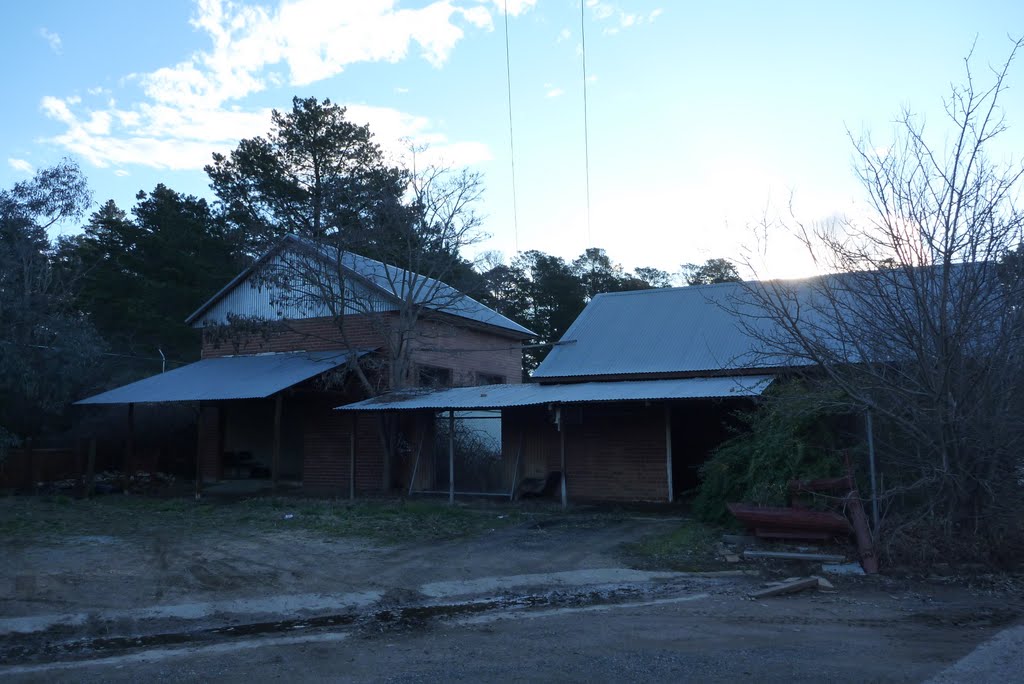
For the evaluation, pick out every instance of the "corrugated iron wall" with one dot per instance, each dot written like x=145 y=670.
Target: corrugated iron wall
x=255 y=297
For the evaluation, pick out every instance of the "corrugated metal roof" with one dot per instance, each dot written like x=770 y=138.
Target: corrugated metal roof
x=390 y=281
x=725 y=327
x=670 y=330
x=228 y=377
x=529 y=394
x=428 y=291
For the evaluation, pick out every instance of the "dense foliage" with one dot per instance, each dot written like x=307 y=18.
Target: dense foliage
x=793 y=434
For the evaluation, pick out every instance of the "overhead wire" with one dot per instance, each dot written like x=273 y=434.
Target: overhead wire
x=586 y=131
x=511 y=138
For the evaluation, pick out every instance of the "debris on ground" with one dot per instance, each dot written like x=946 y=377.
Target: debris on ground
x=109 y=482
x=791 y=555
x=842 y=568
x=799 y=520
x=740 y=539
x=823 y=583
x=788 y=587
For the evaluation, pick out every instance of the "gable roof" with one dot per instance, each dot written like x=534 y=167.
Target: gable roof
x=389 y=282
x=659 y=331
x=723 y=329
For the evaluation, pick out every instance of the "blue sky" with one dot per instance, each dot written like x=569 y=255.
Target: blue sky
x=702 y=116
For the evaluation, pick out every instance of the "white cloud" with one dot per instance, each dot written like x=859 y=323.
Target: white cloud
x=121 y=173
x=515 y=7
x=98 y=90
x=20 y=165
x=52 y=38
x=554 y=92
x=600 y=10
x=187 y=111
x=395 y=130
x=563 y=35
x=313 y=39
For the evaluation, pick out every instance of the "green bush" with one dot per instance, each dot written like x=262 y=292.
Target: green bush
x=793 y=434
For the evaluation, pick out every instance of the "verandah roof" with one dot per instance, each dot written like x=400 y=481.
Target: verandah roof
x=531 y=394
x=253 y=376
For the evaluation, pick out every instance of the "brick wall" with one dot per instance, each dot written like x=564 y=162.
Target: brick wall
x=617 y=452
x=311 y=334
x=468 y=353
x=619 y=457
x=327 y=454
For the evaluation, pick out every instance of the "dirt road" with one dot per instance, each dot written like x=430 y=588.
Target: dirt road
x=546 y=598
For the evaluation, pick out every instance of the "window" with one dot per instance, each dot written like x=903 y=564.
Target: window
x=489 y=379
x=434 y=376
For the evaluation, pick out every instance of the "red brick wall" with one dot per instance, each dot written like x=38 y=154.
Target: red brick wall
x=467 y=352
x=326 y=450
x=312 y=334
x=616 y=454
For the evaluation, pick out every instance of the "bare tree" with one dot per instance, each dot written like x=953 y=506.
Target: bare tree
x=404 y=286
x=401 y=300
x=919 y=326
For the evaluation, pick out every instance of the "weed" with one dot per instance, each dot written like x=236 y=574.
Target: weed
x=689 y=547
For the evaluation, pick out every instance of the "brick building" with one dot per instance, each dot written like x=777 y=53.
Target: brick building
x=277 y=358
x=628 y=404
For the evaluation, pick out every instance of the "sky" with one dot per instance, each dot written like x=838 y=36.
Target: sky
x=701 y=118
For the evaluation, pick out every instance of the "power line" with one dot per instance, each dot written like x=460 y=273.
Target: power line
x=511 y=140
x=586 y=131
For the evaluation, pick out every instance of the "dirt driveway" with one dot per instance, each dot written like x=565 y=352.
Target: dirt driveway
x=104 y=592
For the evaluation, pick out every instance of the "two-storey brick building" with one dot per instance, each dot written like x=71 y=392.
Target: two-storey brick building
x=277 y=357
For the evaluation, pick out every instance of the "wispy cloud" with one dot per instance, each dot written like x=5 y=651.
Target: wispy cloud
x=190 y=109
x=52 y=38
x=515 y=7
x=121 y=173
x=553 y=91
x=563 y=35
x=20 y=165
x=619 y=20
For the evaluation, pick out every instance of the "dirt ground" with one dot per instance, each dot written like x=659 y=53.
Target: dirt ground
x=275 y=591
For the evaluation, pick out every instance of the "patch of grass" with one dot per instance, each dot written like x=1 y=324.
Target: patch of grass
x=691 y=547
x=31 y=519
x=386 y=521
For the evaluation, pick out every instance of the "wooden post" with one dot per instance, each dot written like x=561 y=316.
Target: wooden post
x=515 y=471
x=275 y=463
x=416 y=463
x=561 y=439
x=451 y=457
x=871 y=467
x=352 y=458
x=129 y=447
x=90 y=470
x=199 y=450
x=668 y=449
